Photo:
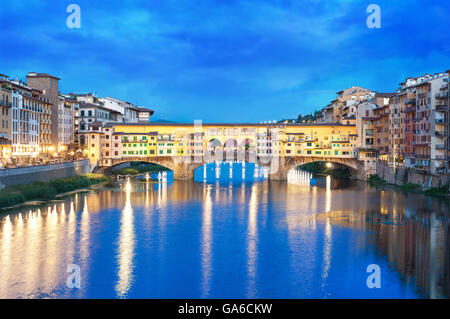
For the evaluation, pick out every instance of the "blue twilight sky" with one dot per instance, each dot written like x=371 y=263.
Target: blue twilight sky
x=225 y=60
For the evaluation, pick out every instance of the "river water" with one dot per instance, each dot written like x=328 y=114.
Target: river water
x=229 y=234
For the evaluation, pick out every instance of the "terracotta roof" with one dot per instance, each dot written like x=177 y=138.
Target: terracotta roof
x=143 y=109
x=41 y=75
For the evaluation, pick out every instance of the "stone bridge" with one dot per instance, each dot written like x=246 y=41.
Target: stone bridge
x=183 y=167
x=184 y=147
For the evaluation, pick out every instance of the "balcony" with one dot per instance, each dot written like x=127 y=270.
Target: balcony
x=441 y=96
x=441 y=169
x=422 y=156
x=440 y=122
x=422 y=95
x=5 y=103
x=441 y=108
x=410 y=101
x=410 y=109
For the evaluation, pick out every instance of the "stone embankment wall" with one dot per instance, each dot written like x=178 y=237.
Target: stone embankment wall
x=402 y=175
x=43 y=173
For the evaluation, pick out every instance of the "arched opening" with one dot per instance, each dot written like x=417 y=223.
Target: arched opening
x=326 y=168
x=213 y=145
x=230 y=145
x=135 y=168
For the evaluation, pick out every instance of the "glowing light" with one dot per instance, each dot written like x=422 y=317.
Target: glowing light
x=126 y=247
x=329 y=165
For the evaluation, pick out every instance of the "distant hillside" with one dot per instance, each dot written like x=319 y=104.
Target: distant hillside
x=308 y=118
x=162 y=121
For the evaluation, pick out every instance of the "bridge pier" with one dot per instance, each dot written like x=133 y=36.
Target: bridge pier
x=278 y=169
x=183 y=170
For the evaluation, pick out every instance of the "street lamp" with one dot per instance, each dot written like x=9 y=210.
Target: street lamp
x=329 y=165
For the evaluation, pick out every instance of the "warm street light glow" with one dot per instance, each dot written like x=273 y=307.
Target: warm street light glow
x=329 y=165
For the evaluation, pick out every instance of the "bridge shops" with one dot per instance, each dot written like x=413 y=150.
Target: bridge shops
x=183 y=147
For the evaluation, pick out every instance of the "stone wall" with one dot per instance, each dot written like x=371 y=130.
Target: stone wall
x=24 y=175
x=404 y=175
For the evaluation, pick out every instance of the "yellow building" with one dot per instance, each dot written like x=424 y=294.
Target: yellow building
x=169 y=140
x=5 y=122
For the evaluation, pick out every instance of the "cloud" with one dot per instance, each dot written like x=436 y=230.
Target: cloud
x=212 y=60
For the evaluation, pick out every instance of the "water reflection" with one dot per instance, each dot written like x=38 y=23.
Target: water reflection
x=125 y=254
x=312 y=237
x=230 y=172
x=206 y=243
x=252 y=236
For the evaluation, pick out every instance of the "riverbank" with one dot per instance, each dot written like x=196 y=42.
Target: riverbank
x=440 y=192
x=11 y=177
x=15 y=195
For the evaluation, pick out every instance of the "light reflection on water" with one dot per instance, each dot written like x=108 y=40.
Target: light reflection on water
x=311 y=237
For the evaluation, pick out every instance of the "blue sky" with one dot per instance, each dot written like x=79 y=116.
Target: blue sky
x=225 y=60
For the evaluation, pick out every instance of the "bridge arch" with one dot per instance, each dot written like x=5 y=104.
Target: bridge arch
x=165 y=162
x=351 y=164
